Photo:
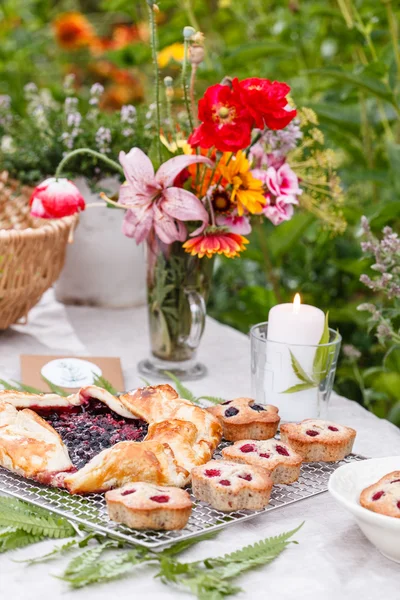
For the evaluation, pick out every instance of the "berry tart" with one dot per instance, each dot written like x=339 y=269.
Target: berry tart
x=228 y=486
x=281 y=462
x=316 y=440
x=383 y=496
x=147 y=506
x=243 y=419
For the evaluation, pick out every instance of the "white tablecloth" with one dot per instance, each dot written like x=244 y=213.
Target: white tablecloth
x=333 y=557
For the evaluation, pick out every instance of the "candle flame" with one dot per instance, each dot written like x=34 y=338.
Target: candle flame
x=296 y=303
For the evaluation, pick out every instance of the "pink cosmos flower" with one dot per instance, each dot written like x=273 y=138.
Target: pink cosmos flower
x=56 y=198
x=153 y=200
x=235 y=224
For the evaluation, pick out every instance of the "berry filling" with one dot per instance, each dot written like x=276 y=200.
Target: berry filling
x=212 y=472
x=378 y=495
x=312 y=432
x=127 y=492
x=257 y=407
x=89 y=429
x=332 y=428
x=225 y=482
x=248 y=448
x=265 y=455
x=160 y=499
x=281 y=450
x=226 y=402
x=246 y=477
x=231 y=412
x=395 y=481
x=398 y=505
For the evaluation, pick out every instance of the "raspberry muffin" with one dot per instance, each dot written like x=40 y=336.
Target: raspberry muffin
x=142 y=505
x=243 y=419
x=228 y=486
x=383 y=497
x=281 y=462
x=316 y=440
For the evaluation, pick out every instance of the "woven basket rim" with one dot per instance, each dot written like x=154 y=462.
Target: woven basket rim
x=44 y=228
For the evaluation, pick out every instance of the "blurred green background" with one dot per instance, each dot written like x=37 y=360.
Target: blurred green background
x=340 y=57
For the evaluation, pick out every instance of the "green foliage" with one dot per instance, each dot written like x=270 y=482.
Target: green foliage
x=33 y=520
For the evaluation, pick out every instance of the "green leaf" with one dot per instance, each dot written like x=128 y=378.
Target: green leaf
x=33 y=520
x=300 y=387
x=102 y=382
x=12 y=538
x=55 y=388
x=185 y=544
x=182 y=390
x=86 y=559
x=299 y=371
x=391 y=362
x=59 y=550
x=145 y=381
x=321 y=354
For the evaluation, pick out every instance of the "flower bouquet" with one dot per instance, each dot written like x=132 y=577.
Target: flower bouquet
x=246 y=154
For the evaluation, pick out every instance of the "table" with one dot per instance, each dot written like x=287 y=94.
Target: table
x=333 y=557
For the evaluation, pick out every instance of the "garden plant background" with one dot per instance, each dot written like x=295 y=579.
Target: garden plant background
x=341 y=58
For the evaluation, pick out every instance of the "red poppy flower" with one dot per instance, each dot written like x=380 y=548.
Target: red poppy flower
x=56 y=198
x=265 y=101
x=216 y=241
x=226 y=122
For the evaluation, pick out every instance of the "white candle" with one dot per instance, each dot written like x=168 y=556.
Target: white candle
x=295 y=328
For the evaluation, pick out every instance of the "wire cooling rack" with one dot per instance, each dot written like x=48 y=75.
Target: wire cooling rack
x=91 y=511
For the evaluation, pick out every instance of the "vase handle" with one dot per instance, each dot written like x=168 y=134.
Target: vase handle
x=198 y=317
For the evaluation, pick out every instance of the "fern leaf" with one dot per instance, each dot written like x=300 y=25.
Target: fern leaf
x=13 y=538
x=55 y=388
x=182 y=390
x=14 y=513
x=102 y=382
x=212 y=399
x=57 y=551
x=186 y=544
x=86 y=559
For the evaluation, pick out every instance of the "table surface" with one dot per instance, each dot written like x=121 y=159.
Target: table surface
x=333 y=557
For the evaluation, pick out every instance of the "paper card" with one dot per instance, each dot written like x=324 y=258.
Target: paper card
x=69 y=372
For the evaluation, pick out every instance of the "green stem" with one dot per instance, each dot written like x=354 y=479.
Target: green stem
x=184 y=84
x=393 y=33
x=191 y=16
x=98 y=155
x=157 y=78
x=270 y=270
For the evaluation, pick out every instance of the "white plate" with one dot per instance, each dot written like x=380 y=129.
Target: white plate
x=346 y=485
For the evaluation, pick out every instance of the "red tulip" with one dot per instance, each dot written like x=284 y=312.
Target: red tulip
x=56 y=198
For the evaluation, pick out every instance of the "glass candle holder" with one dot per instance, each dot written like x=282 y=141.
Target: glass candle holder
x=296 y=378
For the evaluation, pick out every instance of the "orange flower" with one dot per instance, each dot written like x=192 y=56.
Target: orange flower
x=216 y=241
x=247 y=191
x=73 y=30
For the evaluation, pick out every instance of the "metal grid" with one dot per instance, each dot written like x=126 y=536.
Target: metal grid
x=91 y=510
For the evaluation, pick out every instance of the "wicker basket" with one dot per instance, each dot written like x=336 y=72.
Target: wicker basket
x=32 y=252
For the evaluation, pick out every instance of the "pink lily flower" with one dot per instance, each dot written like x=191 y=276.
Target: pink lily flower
x=235 y=224
x=154 y=201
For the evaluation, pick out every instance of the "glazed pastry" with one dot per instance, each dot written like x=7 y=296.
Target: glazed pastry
x=39 y=401
x=127 y=462
x=160 y=403
x=146 y=506
x=183 y=439
x=114 y=403
x=153 y=403
x=281 y=462
x=383 y=497
x=243 y=419
x=316 y=440
x=31 y=447
x=229 y=486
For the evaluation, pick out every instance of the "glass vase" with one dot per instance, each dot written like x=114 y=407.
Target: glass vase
x=178 y=287
x=297 y=378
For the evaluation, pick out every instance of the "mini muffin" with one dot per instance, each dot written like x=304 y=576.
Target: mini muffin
x=228 y=486
x=281 y=462
x=243 y=419
x=383 y=497
x=142 y=505
x=317 y=440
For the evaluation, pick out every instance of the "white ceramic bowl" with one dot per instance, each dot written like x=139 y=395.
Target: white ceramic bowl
x=346 y=485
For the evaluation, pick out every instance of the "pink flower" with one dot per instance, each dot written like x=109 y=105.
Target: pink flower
x=56 y=198
x=235 y=224
x=154 y=201
x=279 y=210
x=282 y=181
